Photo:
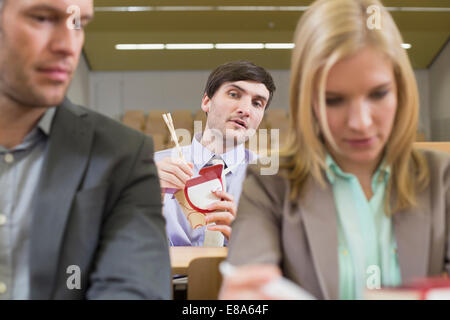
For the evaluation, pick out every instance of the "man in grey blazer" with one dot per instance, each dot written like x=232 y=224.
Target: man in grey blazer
x=76 y=218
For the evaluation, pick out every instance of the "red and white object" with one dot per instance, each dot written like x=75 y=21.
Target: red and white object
x=199 y=190
x=434 y=288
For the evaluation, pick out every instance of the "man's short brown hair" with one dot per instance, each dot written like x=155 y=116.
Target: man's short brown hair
x=239 y=71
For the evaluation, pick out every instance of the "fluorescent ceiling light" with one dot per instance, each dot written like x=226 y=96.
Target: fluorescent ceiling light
x=261 y=8
x=209 y=46
x=419 y=9
x=200 y=8
x=123 y=9
x=245 y=8
x=143 y=46
x=189 y=46
x=183 y=8
x=406 y=46
x=137 y=9
x=239 y=46
x=279 y=45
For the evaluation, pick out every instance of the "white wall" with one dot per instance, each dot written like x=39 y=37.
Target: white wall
x=112 y=93
x=423 y=83
x=439 y=74
x=79 y=88
x=115 y=92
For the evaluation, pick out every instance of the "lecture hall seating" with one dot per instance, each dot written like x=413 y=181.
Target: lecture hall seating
x=152 y=123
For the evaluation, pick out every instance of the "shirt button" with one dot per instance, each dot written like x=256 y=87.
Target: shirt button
x=9 y=158
x=2 y=220
x=344 y=252
x=2 y=288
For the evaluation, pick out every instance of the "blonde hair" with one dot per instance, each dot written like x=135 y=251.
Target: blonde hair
x=327 y=32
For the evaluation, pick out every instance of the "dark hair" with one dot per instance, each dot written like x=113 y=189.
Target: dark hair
x=239 y=71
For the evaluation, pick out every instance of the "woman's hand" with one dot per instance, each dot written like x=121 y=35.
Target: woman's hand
x=247 y=281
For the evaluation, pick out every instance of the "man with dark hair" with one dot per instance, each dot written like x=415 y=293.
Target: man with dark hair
x=76 y=221
x=235 y=98
x=236 y=71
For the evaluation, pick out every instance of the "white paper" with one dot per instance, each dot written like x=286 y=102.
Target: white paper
x=213 y=238
x=280 y=288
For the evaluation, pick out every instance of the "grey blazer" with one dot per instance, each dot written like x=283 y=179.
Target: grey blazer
x=303 y=241
x=98 y=207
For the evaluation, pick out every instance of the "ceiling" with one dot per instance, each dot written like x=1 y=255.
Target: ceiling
x=426 y=31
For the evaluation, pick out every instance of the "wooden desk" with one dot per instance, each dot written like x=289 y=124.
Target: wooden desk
x=180 y=257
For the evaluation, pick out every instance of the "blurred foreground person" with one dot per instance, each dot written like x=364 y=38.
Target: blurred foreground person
x=76 y=219
x=354 y=204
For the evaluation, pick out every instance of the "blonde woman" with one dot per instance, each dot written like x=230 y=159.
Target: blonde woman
x=354 y=204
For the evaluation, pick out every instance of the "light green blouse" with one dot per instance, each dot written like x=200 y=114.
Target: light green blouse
x=367 y=251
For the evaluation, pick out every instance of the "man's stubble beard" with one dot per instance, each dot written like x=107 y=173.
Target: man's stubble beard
x=23 y=92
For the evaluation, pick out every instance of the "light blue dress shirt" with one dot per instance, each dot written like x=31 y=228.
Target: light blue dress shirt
x=178 y=228
x=20 y=169
x=366 y=240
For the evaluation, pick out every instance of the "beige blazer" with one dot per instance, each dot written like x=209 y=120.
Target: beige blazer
x=303 y=241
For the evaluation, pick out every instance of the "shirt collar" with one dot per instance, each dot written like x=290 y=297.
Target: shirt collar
x=202 y=155
x=333 y=170
x=45 y=124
